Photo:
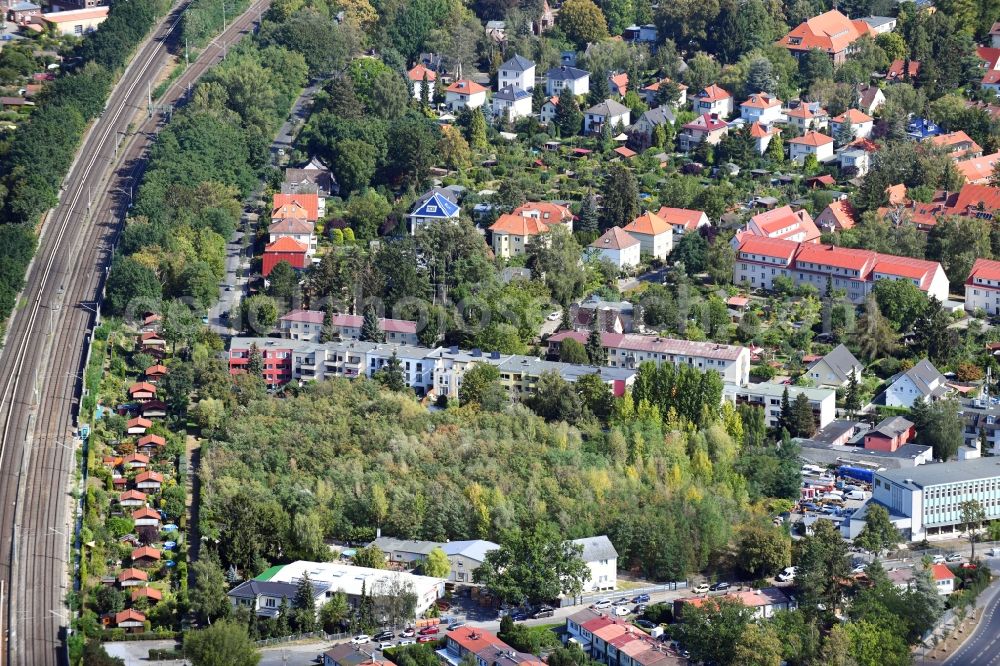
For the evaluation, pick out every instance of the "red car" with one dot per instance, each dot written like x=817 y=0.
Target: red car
x=426 y=639
x=428 y=631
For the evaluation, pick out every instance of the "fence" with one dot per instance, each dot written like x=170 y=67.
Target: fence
x=314 y=635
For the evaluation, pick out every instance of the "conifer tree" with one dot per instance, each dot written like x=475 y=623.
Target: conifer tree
x=370 y=329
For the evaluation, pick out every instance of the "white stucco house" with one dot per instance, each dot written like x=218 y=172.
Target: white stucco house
x=560 y=80
x=811 y=143
x=464 y=94
x=618 y=247
x=921 y=382
x=511 y=103
x=860 y=122
x=602 y=560
x=609 y=111
x=655 y=235
x=416 y=77
x=761 y=108
x=518 y=72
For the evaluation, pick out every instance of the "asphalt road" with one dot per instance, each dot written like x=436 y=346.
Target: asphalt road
x=983 y=647
x=240 y=247
x=44 y=352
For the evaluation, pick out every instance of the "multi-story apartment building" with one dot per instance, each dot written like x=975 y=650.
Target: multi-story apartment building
x=760 y=260
x=925 y=501
x=628 y=350
x=307 y=325
x=768 y=396
x=425 y=369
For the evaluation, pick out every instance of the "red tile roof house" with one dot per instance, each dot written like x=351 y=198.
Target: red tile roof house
x=683 y=220
x=764 y=602
x=785 y=224
x=706 y=127
x=416 y=77
x=284 y=249
x=142 y=391
x=713 y=99
x=135 y=461
x=149 y=481
x=130 y=620
x=982 y=287
x=837 y=216
x=132 y=498
x=137 y=426
x=832 y=33
x=618 y=84
x=978 y=170
x=861 y=123
x=655 y=235
x=811 y=143
x=144 y=557
x=762 y=136
x=944 y=579
x=958 y=144
x=896 y=73
x=132 y=577
x=761 y=108
x=146 y=592
x=485 y=648
x=808 y=116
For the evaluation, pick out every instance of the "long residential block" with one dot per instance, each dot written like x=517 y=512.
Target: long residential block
x=426 y=370
x=760 y=260
x=628 y=350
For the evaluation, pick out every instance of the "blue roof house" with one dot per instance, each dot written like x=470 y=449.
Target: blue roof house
x=921 y=128
x=435 y=204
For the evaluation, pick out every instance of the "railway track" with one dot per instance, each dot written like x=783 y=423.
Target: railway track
x=42 y=364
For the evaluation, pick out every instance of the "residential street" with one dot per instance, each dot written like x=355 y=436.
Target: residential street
x=239 y=249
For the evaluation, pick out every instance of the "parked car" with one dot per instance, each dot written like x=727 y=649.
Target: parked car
x=622 y=611
x=407 y=641
x=407 y=633
x=645 y=624
x=954 y=557
x=361 y=639
x=519 y=616
x=639 y=609
x=700 y=588
x=640 y=599
x=384 y=645
x=938 y=559
x=721 y=586
x=455 y=625
x=383 y=636
x=788 y=574
x=426 y=639
x=544 y=611
x=554 y=316
x=428 y=631
x=601 y=604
